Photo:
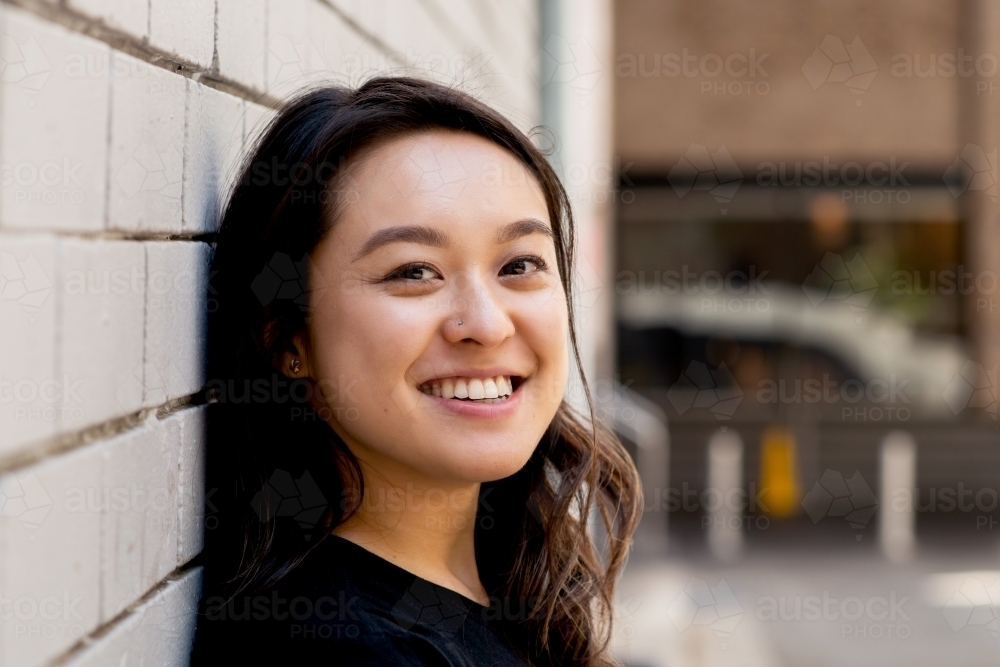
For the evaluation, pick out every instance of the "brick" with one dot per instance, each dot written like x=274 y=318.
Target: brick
x=194 y=503
x=168 y=621
x=120 y=646
x=159 y=631
x=29 y=389
x=255 y=121
x=176 y=314
x=102 y=287
x=212 y=148
x=289 y=49
x=140 y=524
x=406 y=27
x=240 y=41
x=185 y=28
x=50 y=555
x=53 y=125
x=125 y=15
x=147 y=147
x=338 y=53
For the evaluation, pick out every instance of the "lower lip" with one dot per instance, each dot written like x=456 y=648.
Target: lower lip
x=480 y=410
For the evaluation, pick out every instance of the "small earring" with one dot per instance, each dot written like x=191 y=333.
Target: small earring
x=296 y=366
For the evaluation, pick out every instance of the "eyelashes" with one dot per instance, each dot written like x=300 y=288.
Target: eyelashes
x=419 y=272
x=524 y=259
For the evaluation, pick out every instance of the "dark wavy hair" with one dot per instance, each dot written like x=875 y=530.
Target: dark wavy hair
x=537 y=545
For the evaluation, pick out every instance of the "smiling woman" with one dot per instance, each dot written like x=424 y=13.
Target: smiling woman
x=399 y=480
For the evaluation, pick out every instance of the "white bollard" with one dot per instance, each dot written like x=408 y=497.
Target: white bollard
x=725 y=482
x=897 y=518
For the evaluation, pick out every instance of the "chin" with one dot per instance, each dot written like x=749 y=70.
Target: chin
x=487 y=462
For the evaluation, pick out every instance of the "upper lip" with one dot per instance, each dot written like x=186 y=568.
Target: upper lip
x=475 y=373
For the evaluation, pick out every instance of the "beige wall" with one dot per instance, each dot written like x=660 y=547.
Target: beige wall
x=776 y=113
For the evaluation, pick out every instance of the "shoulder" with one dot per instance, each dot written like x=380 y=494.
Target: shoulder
x=345 y=606
x=331 y=609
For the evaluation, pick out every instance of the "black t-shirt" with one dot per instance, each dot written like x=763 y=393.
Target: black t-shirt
x=343 y=605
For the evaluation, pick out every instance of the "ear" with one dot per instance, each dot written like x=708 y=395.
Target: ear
x=295 y=362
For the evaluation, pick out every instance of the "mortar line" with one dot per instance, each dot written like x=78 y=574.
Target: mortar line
x=132 y=609
x=63 y=443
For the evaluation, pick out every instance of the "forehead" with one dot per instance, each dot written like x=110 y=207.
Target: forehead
x=440 y=176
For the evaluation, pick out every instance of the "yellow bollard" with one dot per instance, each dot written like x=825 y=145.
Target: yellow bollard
x=779 y=475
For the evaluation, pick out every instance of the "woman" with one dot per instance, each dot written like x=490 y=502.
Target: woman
x=394 y=475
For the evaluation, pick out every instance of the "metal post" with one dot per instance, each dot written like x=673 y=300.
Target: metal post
x=725 y=482
x=897 y=518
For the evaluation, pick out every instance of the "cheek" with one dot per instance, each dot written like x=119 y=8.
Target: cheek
x=361 y=342
x=544 y=326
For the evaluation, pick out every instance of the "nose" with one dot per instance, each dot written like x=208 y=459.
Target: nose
x=477 y=315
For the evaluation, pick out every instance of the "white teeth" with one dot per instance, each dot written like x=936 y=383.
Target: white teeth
x=476 y=389
x=490 y=388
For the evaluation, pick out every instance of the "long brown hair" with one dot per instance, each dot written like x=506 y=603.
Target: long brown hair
x=533 y=537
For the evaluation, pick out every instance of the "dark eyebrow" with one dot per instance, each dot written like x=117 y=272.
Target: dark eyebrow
x=406 y=234
x=516 y=230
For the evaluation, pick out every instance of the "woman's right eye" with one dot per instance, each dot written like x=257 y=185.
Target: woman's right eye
x=414 y=273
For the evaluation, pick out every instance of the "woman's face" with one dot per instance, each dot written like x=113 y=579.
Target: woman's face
x=438 y=330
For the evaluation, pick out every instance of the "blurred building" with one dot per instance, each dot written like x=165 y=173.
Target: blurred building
x=808 y=233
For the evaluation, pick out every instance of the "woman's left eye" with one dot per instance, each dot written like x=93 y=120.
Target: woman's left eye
x=522 y=266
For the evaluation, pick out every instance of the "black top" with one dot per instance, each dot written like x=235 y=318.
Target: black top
x=343 y=605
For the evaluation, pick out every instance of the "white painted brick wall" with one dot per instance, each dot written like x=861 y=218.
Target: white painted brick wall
x=103 y=287
x=151 y=633
x=147 y=147
x=193 y=503
x=50 y=556
x=240 y=41
x=184 y=28
x=112 y=173
x=213 y=144
x=127 y=15
x=52 y=151
x=176 y=314
x=140 y=520
x=27 y=339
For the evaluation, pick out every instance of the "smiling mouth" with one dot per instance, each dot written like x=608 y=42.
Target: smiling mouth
x=474 y=390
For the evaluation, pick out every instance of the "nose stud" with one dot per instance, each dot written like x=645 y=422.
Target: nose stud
x=460 y=323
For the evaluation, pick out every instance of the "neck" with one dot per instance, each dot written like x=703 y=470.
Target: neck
x=423 y=525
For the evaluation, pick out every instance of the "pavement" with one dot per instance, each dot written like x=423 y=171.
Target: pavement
x=811 y=608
